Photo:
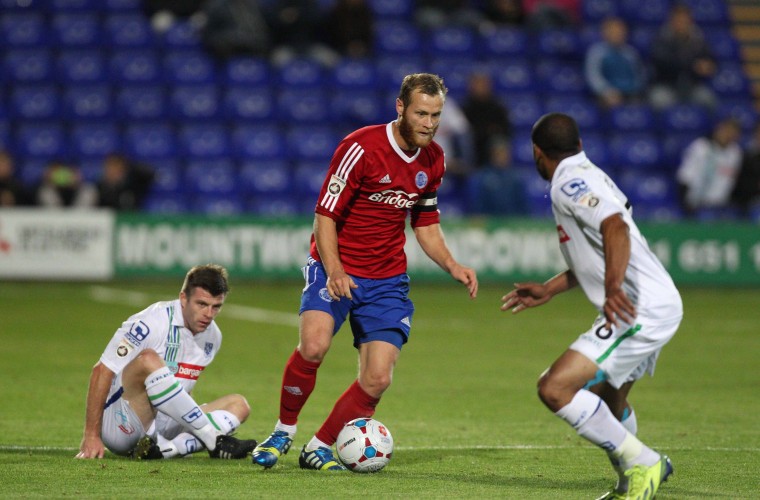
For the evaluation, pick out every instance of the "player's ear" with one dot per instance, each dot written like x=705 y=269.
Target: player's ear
x=399 y=107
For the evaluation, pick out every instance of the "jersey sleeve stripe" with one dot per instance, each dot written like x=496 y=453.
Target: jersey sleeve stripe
x=349 y=160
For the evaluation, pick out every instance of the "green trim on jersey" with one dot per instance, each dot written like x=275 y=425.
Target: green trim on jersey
x=172 y=342
x=630 y=333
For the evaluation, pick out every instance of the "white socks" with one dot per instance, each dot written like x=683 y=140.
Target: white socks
x=167 y=395
x=185 y=443
x=290 y=429
x=593 y=420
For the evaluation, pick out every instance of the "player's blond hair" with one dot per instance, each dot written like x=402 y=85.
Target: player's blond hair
x=427 y=83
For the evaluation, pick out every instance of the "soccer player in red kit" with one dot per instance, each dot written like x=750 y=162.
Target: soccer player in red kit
x=378 y=175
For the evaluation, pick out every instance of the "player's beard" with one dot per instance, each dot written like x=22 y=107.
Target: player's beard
x=406 y=130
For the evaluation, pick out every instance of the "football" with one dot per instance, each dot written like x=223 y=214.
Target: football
x=364 y=445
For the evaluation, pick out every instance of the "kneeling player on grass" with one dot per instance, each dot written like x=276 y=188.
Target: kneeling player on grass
x=139 y=401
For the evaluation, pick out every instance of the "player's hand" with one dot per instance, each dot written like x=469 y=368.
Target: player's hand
x=617 y=305
x=91 y=448
x=340 y=284
x=468 y=277
x=525 y=295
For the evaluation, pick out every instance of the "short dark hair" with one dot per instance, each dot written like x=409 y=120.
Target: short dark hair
x=557 y=135
x=210 y=277
x=427 y=83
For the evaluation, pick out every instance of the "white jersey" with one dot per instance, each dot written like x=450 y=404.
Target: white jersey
x=161 y=327
x=582 y=197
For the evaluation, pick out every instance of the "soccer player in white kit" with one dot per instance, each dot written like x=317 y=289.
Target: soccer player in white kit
x=639 y=307
x=139 y=400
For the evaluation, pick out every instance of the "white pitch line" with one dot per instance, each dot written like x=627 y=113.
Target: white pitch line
x=140 y=299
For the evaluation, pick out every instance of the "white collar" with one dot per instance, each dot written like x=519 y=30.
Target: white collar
x=396 y=147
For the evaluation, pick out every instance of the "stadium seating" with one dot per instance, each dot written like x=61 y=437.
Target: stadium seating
x=89 y=102
x=135 y=66
x=150 y=141
x=195 y=102
x=82 y=66
x=23 y=29
x=94 y=140
x=202 y=141
x=29 y=65
x=79 y=29
x=35 y=102
x=136 y=103
x=258 y=142
x=128 y=30
x=244 y=104
x=265 y=178
x=41 y=140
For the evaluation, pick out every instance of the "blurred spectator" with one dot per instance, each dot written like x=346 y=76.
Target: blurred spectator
x=123 y=185
x=551 y=14
x=294 y=25
x=62 y=186
x=235 y=27
x=746 y=195
x=708 y=171
x=614 y=70
x=454 y=135
x=431 y=14
x=349 y=27
x=487 y=115
x=682 y=63
x=502 y=13
x=13 y=192
x=497 y=188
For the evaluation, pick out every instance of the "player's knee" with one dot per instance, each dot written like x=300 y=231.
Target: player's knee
x=375 y=384
x=144 y=364
x=549 y=392
x=313 y=351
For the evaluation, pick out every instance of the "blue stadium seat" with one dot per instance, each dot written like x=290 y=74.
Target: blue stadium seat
x=723 y=44
x=28 y=65
x=75 y=5
x=135 y=66
x=560 y=43
x=513 y=75
x=90 y=140
x=632 y=117
x=391 y=70
x=451 y=41
x=82 y=66
x=141 y=102
x=259 y=142
x=41 y=140
x=182 y=35
x=595 y=146
x=195 y=102
x=154 y=140
x=301 y=73
x=522 y=148
x=397 y=38
x=309 y=143
x=537 y=192
x=124 y=6
x=30 y=172
x=217 y=177
x=188 y=66
x=296 y=106
x=168 y=176
x=247 y=71
x=275 y=206
x=34 y=102
x=128 y=30
x=505 y=42
x=560 y=77
x=361 y=107
x=166 y=203
x=308 y=178
x=456 y=73
x=594 y=11
x=392 y=9
x=648 y=187
x=23 y=29
x=685 y=118
x=206 y=141
x=673 y=145
x=246 y=103
x=354 y=74
x=524 y=108
x=91 y=168
x=639 y=150
x=264 y=178
x=220 y=205
x=709 y=12
x=652 y=12
x=585 y=111
x=740 y=109
x=72 y=30
x=730 y=81
x=642 y=37
x=90 y=102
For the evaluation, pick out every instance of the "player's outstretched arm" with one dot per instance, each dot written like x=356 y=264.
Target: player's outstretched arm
x=100 y=381
x=433 y=244
x=531 y=294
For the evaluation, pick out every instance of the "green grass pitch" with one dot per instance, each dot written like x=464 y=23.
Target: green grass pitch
x=462 y=408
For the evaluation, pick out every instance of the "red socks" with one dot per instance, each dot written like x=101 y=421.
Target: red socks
x=353 y=403
x=298 y=381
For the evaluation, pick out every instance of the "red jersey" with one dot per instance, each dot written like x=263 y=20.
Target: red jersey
x=370 y=188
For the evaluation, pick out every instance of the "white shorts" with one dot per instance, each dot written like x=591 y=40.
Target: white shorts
x=626 y=353
x=121 y=427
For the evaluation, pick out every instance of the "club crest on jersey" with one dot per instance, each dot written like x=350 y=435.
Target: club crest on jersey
x=421 y=179
x=208 y=348
x=137 y=333
x=563 y=237
x=575 y=188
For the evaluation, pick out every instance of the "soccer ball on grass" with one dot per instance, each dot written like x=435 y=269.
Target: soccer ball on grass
x=364 y=445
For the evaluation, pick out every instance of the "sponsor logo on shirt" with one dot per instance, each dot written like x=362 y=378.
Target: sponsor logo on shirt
x=137 y=333
x=386 y=179
x=574 y=188
x=398 y=199
x=188 y=371
x=563 y=237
